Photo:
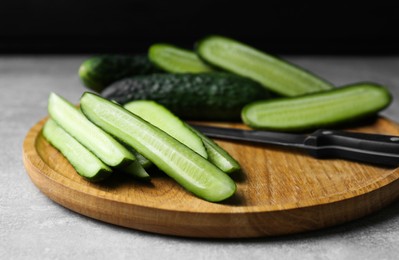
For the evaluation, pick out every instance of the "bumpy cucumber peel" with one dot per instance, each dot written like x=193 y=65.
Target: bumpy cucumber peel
x=323 y=109
x=204 y=96
x=98 y=72
x=185 y=166
x=273 y=73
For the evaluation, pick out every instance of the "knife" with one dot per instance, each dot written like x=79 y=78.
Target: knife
x=362 y=147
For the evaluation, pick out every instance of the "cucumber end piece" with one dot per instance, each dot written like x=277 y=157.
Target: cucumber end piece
x=220 y=194
x=85 y=77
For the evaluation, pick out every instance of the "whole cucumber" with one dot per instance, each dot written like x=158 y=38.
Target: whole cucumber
x=100 y=71
x=204 y=96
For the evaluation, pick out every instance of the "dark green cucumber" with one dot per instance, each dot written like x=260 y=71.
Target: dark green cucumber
x=165 y=120
x=211 y=96
x=188 y=168
x=274 y=74
x=317 y=110
x=98 y=72
x=176 y=60
x=217 y=155
x=85 y=162
x=105 y=147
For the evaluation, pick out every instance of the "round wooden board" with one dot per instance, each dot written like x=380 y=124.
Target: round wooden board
x=278 y=192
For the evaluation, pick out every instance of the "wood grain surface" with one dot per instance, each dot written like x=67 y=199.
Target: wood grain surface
x=279 y=191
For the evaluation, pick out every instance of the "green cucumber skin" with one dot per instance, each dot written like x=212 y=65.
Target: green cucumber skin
x=277 y=75
x=98 y=72
x=203 y=178
x=72 y=120
x=141 y=159
x=84 y=162
x=137 y=171
x=323 y=109
x=204 y=96
x=217 y=155
x=162 y=118
x=173 y=59
x=165 y=120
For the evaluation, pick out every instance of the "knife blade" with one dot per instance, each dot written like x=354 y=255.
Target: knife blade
x=362 y=147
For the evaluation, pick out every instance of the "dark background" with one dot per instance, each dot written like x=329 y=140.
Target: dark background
x=70 y=26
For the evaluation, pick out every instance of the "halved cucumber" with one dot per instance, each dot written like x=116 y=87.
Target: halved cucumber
x=216 y=154
x=161 y=117
x=176 y=60
x=274 y=74
x=105 y=147
x=316 y=110
x=85 y=162
x=188 y=168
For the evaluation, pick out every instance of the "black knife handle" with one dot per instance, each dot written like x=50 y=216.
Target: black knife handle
x=369 y=148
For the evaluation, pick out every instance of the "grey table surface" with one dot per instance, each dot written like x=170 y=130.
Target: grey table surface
x=34 y=227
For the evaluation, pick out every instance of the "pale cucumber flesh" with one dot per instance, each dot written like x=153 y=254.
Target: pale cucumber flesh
x=273 y=73
x=104 y=146
x=176 y=60
x=188 y=168
x=85 y=162
x=317 y=110
x=217 y=155
x=161 y=117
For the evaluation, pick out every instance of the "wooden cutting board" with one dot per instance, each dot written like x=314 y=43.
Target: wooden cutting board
x=279 y=192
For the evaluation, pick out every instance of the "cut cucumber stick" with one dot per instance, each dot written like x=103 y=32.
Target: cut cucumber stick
x=85 y=162
x=162 y=118
x=274 y=74
x=105 y=147
x=317 y=110
x=188 y=168
x=217 y=155
x=176 y=60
